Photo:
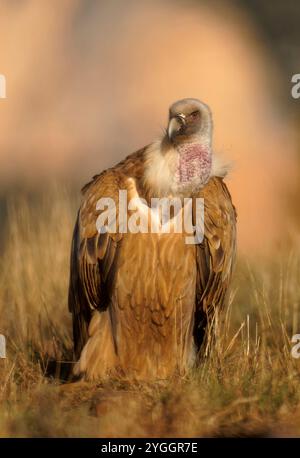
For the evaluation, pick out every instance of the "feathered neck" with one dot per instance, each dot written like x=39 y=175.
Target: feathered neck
x=180 y=170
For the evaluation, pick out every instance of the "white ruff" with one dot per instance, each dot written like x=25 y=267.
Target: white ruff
x=161 y=171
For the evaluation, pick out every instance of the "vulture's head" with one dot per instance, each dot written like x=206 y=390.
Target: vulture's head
x=190 y=120
x=184 y=161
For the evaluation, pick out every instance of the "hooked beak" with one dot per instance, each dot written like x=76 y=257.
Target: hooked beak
x=175 y=124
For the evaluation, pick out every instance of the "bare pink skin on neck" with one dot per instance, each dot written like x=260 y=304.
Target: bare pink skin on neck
x=195 y=163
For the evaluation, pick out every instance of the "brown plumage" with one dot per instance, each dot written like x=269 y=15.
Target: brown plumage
x=142 y=302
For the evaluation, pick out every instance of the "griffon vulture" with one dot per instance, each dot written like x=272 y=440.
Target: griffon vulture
x=143 y=302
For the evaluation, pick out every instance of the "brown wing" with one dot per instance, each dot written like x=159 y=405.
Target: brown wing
x=92 y=258
x=215 y=256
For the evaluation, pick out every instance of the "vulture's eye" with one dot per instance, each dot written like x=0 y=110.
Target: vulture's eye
x=195 y=114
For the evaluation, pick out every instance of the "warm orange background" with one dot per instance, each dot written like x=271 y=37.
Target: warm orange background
x=89 y=82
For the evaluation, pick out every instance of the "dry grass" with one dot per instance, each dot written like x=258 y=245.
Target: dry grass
x=248 y=386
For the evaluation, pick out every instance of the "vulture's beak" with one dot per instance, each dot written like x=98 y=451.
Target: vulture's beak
x=175 y=124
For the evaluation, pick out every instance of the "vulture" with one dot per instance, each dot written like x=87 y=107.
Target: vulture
x=144 y=302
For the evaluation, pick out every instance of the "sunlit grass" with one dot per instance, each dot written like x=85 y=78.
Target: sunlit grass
x=248 y=386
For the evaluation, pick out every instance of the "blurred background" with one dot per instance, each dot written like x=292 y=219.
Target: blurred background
x=90 y=81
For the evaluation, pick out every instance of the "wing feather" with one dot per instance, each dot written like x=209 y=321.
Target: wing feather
x=215 y=255
x=92 y=258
